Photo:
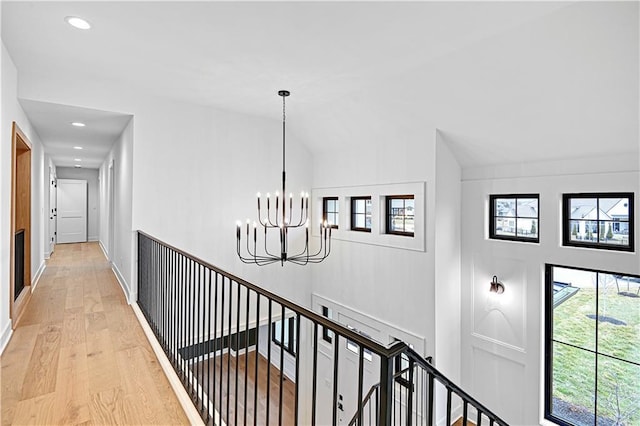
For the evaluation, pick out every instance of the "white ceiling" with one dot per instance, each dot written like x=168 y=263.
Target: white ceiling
x=488 y=74
x=53 y=124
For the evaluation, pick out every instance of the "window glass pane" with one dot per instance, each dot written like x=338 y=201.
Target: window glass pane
x=583 y=208
x=527 y=207
x=506 y=226
x=360 y=222
x=618 y=392
x=584 y=230
x=619 y=316
x=614 y=233
x=409 y=207
x=574 y=307
x=573 y=384
x=614 y=208
x=358 y=206
x=505 y=207
x=409 y=224
x=527 y=228
x=367 y=204
x=396 y=205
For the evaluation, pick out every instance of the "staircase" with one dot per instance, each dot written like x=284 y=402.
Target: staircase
x=248 y=356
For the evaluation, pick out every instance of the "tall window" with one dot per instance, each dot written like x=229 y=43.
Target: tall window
x=327 y=335
x=361 y=214
x=598 y=220
x=592 y=363
x=330 y=211
x=514 y=217
x=289 y=342
x=400 y=214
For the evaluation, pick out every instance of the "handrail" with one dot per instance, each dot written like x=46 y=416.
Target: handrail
x=365 y=401
x=197 y=319
x=415 y=357
x=378 y=348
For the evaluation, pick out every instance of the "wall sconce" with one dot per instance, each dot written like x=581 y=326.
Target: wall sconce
x=496 y=286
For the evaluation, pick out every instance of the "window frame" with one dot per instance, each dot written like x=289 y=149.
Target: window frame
x=549 y=340
x=566 y=221
x=327 y=335
x=354 y=213
x=325 y=211
x=289 y=332
x=492 y=218
x=389 y=217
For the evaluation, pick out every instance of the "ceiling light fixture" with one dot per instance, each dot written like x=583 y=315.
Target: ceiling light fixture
x=78 y=166
x=77 y=147
x=282 y=221
x=78 y=124
x=77 y=22
x=77 y=159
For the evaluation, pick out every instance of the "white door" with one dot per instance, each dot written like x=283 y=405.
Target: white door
x=72 y=211
x=52 y=212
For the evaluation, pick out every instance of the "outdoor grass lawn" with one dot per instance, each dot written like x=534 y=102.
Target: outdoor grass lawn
x=618 y=336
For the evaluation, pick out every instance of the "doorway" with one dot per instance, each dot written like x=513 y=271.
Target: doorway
x=20 y=262
x=52 y=210
x=72 y=211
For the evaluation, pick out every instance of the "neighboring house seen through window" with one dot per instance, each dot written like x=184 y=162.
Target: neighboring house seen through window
x=598 y=220
x=514 y=217
x=400 y=215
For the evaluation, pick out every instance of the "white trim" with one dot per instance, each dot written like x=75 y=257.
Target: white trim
x=122 y=282
x=5 y=337
x=92 y=239
x=184 y=399
x=38 y=275
x=104 y=251
x=378 y=235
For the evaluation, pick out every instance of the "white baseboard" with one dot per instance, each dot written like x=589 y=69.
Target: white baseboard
x=104 y=250
x=36 y=278
x=93 y=239
x=122 y=282
x=5 y=336
x=184 y=399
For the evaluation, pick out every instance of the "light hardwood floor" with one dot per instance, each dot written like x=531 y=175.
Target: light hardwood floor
x=224 y=364
x=79 y=355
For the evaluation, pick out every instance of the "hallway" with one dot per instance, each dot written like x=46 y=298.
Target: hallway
x=79 y=355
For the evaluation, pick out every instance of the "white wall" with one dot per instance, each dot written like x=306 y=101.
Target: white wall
x=93 y=199
x=502 y=337
x=119 y=161
x=12 y=111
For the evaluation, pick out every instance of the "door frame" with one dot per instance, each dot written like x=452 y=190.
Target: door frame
x=20 y=214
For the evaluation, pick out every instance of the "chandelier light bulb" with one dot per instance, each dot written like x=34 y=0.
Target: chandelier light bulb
x=258 y=195
x=268 y=195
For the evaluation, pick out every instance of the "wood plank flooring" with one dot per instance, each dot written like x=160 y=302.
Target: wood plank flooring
x=79 y=355
x=236 y=413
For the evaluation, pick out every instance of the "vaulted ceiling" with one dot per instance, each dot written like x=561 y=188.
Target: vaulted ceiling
x=505 y=81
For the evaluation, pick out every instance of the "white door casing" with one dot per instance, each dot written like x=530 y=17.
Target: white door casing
x=52 y=211
x=72 y=211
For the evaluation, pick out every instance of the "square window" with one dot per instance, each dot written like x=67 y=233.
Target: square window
x=598 y=220
x=330 y=211
x=400 y=215
x=361 y=214
x=514 y=217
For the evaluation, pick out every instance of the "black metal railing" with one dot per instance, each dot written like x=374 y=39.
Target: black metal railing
x=248 y=356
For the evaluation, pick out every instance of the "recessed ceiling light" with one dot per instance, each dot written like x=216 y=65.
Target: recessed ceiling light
x=76 y=22
x=78 y=166
x=77 y=147
x=78 y=124
x=77 y=159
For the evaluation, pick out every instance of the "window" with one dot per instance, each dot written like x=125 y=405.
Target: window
x=327 y=335
x=355 y=348
x=592 y=362
x=330 y=211
x=514 y=217
x=289 y=343
x=400 y=214
x=598 y=220
x=361 y=214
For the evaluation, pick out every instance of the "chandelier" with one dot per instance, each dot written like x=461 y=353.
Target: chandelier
x=280 y=220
